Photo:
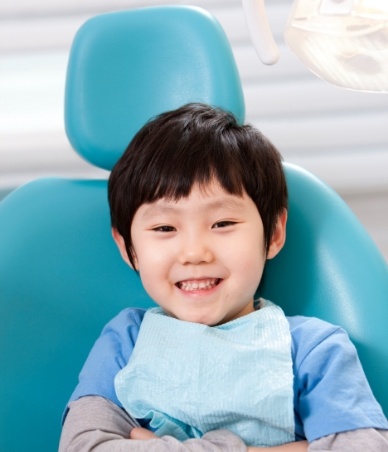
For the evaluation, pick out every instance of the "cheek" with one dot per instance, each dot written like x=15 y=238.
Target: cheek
x=149 y=266
x=153 y=267
x=249 y=262
x=251 y=273
x=148 y=253
x=250 y=250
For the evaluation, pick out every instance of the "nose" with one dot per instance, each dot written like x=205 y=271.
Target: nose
x=194 y=250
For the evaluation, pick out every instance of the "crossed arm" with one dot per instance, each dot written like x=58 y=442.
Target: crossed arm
x=97 y=424
x=139 y=433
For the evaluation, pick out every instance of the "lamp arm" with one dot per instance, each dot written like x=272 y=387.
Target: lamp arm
x=260 y=31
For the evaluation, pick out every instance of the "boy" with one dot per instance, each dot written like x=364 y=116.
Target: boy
x=198 y=203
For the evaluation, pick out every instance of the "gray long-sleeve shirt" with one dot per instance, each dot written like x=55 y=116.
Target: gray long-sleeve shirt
x=97 y=424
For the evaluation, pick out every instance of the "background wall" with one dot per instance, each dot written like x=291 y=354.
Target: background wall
x=339 y=135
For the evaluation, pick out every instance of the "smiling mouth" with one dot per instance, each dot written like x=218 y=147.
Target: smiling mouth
x=195 y=285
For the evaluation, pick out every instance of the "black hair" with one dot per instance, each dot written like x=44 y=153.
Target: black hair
x=195 y=144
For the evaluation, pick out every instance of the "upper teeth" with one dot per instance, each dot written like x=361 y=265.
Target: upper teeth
x=197 y=285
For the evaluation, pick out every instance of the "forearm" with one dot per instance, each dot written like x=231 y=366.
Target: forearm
x=361 y=440
x=98 y=425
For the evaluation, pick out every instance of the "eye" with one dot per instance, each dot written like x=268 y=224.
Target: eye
x=164 y=228
x=223 y=224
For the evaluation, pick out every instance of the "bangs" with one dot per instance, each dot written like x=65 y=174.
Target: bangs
x=191 y=165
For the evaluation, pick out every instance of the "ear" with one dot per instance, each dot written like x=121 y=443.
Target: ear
x=279 y=236
x=118 y=238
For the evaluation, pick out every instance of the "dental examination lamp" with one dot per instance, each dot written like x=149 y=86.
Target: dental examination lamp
x=345 y=42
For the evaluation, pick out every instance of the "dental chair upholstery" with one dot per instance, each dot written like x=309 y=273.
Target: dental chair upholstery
x=61 y=276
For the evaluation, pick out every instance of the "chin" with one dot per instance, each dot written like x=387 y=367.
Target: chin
x=202 y=320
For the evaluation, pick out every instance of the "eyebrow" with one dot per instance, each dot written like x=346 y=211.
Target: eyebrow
x=153 y=210
x=227 y=203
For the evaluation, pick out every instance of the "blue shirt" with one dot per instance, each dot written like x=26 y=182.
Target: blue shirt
x=331 y=393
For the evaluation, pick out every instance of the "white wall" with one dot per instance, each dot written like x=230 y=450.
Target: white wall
x=339 y=135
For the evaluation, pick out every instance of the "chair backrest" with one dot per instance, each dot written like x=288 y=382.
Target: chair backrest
x=61 y=277
x=331 y=269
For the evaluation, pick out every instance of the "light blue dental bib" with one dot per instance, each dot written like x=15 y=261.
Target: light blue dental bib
x=187 y=379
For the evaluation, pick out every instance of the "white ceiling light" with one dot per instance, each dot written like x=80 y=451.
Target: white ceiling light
x=342 y=41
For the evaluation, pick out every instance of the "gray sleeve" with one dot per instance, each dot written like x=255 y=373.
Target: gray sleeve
x=97 y=424
x=362 y=440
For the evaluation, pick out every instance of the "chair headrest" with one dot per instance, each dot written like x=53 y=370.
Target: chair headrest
x=126 y=67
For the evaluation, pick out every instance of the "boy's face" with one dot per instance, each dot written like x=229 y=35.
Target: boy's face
x=201 y=258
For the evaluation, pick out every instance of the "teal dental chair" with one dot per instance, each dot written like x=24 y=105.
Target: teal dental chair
x=61 y=277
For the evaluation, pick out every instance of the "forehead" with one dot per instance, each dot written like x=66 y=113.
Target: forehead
x=202 y=199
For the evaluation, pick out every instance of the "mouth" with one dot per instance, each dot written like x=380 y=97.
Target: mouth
x=192 y=285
